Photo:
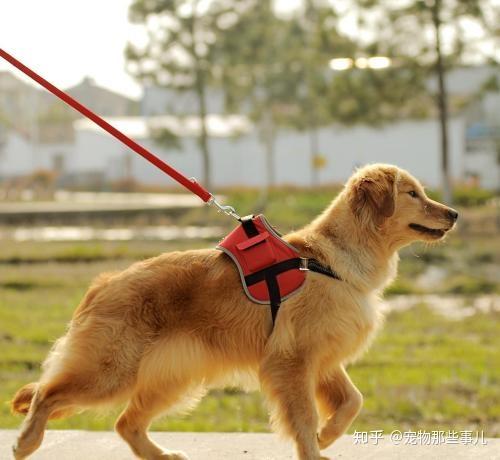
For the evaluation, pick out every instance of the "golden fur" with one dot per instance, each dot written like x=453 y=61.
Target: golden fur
x=165 y=329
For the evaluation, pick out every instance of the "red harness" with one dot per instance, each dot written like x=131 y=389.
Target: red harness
x=271 y=270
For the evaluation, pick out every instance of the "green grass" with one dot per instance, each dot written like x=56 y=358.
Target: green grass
x=30 y=252
x=426 y=372
x=423 y=371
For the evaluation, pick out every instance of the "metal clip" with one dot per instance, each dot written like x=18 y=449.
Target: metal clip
x=304 y=264
x=228 y=210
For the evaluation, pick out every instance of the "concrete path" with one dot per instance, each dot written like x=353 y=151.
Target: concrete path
x=82 y=445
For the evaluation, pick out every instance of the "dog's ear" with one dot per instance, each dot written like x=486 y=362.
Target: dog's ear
x=373 y=197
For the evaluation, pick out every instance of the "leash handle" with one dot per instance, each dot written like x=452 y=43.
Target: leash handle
x=190 y=184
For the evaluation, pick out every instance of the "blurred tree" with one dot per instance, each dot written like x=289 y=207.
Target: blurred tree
x=179 y=54
x=411 y=33
x=290 y=84
x=257 y=76
x=316 y=25
x=275 y=69
x=377 y=96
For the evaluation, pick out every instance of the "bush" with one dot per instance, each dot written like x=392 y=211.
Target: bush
x=401 y=287
x=466 y=285
x=465 y=196
x=472 y=196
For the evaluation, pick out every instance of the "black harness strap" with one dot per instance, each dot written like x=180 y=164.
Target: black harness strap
x=314 y=266
x=249 y=226
x=269 y=275
x=273 y=270
x=274 y=294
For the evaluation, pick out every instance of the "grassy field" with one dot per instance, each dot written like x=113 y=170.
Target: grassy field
x=424 y=371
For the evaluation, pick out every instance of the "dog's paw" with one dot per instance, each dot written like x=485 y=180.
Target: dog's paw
x=323 y=443
x=172 y=455
x=16 y=453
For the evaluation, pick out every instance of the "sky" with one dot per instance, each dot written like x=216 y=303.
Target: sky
x=66 y=40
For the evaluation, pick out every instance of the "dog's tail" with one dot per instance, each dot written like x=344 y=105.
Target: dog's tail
x=22 y=400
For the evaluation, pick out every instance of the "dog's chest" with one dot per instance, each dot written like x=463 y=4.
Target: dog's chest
x=352 y=324
x=369 y=307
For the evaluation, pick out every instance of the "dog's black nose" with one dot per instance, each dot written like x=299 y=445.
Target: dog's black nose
x=453 y=214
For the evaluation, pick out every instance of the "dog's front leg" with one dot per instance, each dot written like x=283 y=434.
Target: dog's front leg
x=288 y=385
x=340 y=402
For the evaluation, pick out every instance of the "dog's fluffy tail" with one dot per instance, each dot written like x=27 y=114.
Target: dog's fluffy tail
x=22 y=400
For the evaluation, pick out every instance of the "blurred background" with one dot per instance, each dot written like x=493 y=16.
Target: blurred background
x=271 y=105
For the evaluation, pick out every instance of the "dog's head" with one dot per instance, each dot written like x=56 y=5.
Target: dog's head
x=387 y=198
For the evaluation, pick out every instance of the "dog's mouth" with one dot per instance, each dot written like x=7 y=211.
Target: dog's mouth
x=433 y=232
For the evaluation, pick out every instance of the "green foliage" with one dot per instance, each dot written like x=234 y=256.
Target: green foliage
x=287 y=207
x=410 y=24
x=470 y=285
x=406 y=32
x=317 y=27
x=255 y=76
x=466 y=196
x=401 y=287
x=375 y=97
x=179 y=55
x=166 y=138
x=471 y=196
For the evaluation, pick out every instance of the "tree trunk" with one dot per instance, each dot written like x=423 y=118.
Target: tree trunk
x=200 y=87
x=203 y=139
x=442 y=103
x=312 y=127
x=268 y=138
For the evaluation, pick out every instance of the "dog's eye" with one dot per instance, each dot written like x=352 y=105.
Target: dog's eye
x=413 y=194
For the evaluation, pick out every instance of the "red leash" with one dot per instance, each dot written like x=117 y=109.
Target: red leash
x=271 y=269
x=190 y=184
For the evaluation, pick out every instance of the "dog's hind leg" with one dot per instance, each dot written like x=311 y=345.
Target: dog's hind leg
x=147 y=403
x=340 y=402
x=47 y=400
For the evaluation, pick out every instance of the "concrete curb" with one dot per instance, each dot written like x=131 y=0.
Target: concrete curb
x=98 y=445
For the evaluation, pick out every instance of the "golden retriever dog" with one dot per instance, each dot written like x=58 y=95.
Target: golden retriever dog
x=159 y=333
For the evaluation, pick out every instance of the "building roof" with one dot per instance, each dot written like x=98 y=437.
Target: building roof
x=102 y=100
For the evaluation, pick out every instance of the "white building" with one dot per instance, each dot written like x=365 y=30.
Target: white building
x=238 y=158
x=241 y=161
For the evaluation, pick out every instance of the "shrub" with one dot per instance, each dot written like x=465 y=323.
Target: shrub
x=465 y=195
x=401 y=287
x=466 y=285
x=472 y=196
